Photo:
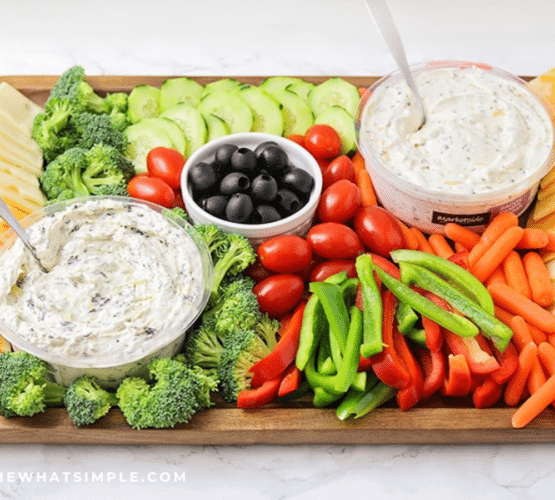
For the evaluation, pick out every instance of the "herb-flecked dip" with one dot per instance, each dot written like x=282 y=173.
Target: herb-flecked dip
x=483 y=132
x=120 y=276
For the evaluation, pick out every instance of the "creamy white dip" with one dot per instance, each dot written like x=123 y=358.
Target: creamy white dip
x=121 y=276
x=482 y=132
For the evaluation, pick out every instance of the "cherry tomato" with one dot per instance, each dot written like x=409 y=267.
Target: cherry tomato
x=339 y=202
x=298 y=138
x=166 y=164
x=151 y=189
x=178 y=199
x=323 y=163
x=378 y=230
x=285 y=254
x=257 y=272
x=333 y=240
x=279 y=293
x=322 y=141
x=307 y=271
x=339 y=168
x=330 y=267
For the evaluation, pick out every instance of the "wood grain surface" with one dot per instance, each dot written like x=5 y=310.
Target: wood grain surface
x=441 y=420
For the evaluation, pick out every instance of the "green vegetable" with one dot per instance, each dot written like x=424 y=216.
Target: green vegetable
x=488 y=324
x=347 y=370
x=381 y=393
x=372 y=307
x=86 y=401
x=406 y=317
x=453 y=322
x=24 y=385
x=172 y=396
x=62 y=178
x=417 y=335
x=348 y=404
x=96 y=129
x=322 y=398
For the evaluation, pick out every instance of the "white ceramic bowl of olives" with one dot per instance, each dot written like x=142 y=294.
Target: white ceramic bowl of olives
x=255 y=184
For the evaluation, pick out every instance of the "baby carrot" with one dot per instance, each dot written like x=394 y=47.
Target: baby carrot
x=539 y=279
x=516 y=303
x=367 y=193
x=515 y=275
x=423 y=244
x=497 y=276
x=440 y=245
x=515 y=385
x=550 y=247
x=533 y=238
x=495 y=254
x=521 y=333
x=460 y=234
x=538 y=336
x=535 y=404
x=459 y=247
x=497 y=226
x=536 y=377
x=546 y=354
x=411 y=241
x=358 y=161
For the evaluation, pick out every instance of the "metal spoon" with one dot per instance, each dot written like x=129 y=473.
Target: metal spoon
x=384 y=21
x=10 y=219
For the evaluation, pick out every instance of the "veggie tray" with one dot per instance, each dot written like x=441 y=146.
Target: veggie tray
x=437 y=420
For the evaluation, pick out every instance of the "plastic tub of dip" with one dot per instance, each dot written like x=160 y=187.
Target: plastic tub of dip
x=486 y=144
x=126 y=280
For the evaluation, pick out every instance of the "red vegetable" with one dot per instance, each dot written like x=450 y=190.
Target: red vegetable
x=339 y=168
x=378 y=230
x=291 y=380
x=333 y=240
x=166 y=164
x=151 y=189
x=285 y=254
x=339 y=202
x=263 y=395
x=279 y=293
x=328 y=268
x=458 y=380
x=322 y=141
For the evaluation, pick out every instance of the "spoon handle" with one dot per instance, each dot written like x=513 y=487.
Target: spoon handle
x=386 y=25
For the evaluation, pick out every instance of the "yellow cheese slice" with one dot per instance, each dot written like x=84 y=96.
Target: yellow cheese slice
x=21 y=160
x=543 y=207
x=548 y=179
x=18 y=107
x=29 y=192
x=544 y=87
x=19 y=206
x=18 y=174
x=10 y=131
x=546 y=223
x=547 y=191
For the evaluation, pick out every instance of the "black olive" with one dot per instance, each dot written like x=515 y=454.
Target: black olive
x=298 y=180
x=264 y=188
x=287 y=202
x=262 y=146
x=273 y=159
x=239 y=208
x=214 y=205
x=202 y=176
x=264 y=214
x=223 y=155
x=243 y=160
x=235 y=182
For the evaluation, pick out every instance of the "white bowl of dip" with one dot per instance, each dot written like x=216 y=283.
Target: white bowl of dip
x=126 y=280
x=486 y=144
x=298 y=223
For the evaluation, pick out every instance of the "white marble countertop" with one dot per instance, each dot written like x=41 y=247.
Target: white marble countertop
x=263 y=37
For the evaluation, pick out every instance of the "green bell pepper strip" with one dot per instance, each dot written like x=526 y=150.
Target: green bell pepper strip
x=460 y=277
x=488 y=324
x=331 y=297
x=406 y=317
x=324 y=361
x=347 y=406
x=372 y=304
x=347 y=371
x=316 y=379
x=417 y=335
x=381 y=393
x=457 y=324
x=322 y=398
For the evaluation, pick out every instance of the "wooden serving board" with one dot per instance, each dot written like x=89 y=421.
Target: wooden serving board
x=441 y=420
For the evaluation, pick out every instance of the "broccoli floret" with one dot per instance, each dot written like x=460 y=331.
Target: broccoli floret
x=267 y=329
x=86 y=401
x=62 y=177
x=243 y=348
x=203 y=349
x=24 y=387
x=175 y=394
x=118 y=101
x=94 y=129
x=107 y=171
x=176 y=213
x=231 y=253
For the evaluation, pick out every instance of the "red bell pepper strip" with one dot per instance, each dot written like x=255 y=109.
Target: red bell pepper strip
x=364 y=364
x=411 y=395
x=458 y=379
x=386 y=265
x=461 y=259
x=508 y=363
x=291 y=380
x=487 y=393
x=479 y=361
x=262 y=395
x=388 y=365
x=434 y=332
x=283 y=353
x=433 y=364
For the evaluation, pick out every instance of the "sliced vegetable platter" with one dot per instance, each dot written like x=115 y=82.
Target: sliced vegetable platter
x=438 y=420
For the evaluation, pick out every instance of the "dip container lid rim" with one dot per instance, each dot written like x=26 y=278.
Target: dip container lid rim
x=456 y=198
x=115 y=359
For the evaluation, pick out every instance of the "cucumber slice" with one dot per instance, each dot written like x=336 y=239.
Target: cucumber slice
x=266 y=111
x=216 y=127
x=172 y=129
x=176 y=90
x=301 y=88
x=141 y=138
x=143 y=102
x=228 y=106
x=342 y=121
x=278 y=83
x=334 y=92
x=222 y=84
x=297 y=115
x=192 y=124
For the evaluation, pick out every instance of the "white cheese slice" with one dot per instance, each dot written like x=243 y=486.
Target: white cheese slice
x=28 y=192
x=19 y=159
x=18 y=174
x=10 y=131
x=18 y=107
